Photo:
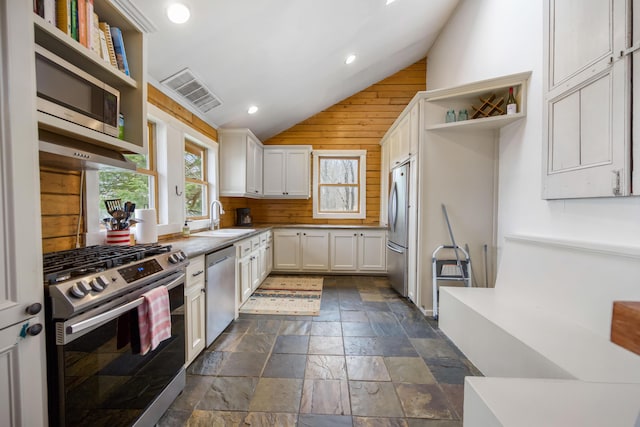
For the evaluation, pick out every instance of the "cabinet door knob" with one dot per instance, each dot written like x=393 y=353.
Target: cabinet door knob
x=355 y=234
x=34 y=329
x=34 y=308
x=304 y=234
x=202 y=290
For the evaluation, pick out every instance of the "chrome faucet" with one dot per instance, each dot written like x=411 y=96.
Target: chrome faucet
x=213 y=224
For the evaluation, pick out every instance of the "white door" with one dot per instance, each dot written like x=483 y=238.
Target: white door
x=257 y=164
x=286 y=250
x=372 y=251
x=269 y=255
x=251 y=167
x=195 y=317
x=21 y=396
x=414 y=129
x=274 y=164
x=254 y=261
x=315 y=250
x=297 y=173
x=404 y=138
x=22 y=356
x=587 y=149
x=262 y=257
x=344 y=251
x=244 y=271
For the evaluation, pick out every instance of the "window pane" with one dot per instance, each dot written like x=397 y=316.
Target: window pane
x=127 y=186
x=339 y=199
x=192 y=165
x=139 y=159
x=338 y=171
x=195 y=199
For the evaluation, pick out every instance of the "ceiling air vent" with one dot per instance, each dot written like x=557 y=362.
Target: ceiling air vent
x=193 y=90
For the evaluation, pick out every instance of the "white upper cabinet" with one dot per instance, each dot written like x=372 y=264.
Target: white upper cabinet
x=254 y=165
x=286 y=171
x=587 y=151
x=403 y=141
x=240 y=163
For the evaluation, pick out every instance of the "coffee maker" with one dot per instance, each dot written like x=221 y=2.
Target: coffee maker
x=243 y=217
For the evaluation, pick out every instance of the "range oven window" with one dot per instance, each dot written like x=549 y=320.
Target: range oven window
x=104 y=382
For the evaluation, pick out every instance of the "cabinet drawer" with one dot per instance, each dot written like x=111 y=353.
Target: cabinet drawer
x=255 y=242
x=244 y=248
x=195 y=272
x=263 y=238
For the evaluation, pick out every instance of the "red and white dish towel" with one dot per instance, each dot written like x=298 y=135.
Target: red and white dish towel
x=154 y=319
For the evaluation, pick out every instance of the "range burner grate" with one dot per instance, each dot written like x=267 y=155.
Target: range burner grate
x=63 y=265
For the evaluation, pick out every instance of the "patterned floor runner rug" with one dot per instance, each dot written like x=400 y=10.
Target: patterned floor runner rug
x=290 y=295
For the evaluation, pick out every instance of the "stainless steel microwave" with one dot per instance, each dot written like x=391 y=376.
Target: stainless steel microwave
x=69 y=93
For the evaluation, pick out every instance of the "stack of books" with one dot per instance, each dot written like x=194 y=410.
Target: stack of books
x=78 y=20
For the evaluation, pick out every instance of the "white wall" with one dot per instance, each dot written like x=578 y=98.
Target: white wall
x=491 y=38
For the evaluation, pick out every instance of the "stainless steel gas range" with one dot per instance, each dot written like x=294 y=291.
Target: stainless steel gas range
x=96 y=374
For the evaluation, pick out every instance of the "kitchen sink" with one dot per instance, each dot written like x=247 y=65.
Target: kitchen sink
x=224 y=232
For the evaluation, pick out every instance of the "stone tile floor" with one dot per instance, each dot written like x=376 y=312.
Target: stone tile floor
x=369 y=359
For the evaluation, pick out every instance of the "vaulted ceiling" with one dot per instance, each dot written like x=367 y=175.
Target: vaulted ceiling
x=287 y=57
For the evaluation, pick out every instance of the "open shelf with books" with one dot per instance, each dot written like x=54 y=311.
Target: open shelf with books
x=132 y=87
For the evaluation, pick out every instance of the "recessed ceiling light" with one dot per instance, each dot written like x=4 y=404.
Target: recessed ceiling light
x=178 y=13
x=390 y=1
x=350 y=59
x=252 y=110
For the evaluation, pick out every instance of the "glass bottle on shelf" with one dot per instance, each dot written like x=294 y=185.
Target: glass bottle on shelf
x=463 y=115
x=451 y=116
x=512 y=107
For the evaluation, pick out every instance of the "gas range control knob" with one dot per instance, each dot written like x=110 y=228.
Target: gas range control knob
x=96 y=286
x=173 y=259
x=182 y=256
x=77 y=290
x=103 y=281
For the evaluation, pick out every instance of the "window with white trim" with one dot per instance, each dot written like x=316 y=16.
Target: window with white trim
x=339 y=184
x=139 y=187
x=196 y=184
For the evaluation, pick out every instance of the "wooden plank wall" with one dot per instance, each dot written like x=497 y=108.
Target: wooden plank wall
x=60 y=206
x=358 y=122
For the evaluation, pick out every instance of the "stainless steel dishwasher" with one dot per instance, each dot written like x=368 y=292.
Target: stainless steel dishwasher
x=221 y=291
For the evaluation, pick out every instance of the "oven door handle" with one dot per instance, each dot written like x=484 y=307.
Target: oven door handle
x=116 y=312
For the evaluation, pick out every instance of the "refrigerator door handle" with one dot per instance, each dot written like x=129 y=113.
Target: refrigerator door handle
x=393 y=206
x=391 y=248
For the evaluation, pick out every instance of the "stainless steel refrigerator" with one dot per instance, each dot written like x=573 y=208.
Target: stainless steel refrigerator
x=398 y=217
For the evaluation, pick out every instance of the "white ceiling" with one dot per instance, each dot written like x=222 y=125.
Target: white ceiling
x=287 y=56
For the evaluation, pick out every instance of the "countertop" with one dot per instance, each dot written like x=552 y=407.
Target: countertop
x=196 y=245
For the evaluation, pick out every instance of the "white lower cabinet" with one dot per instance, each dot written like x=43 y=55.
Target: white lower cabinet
x=286 y=251
x=321 y=250
x=315 y=250
x=372 y=250
x=344 y=250
x=195 y=316
x=243 y=278
x=254 y=267
x=253 y=264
